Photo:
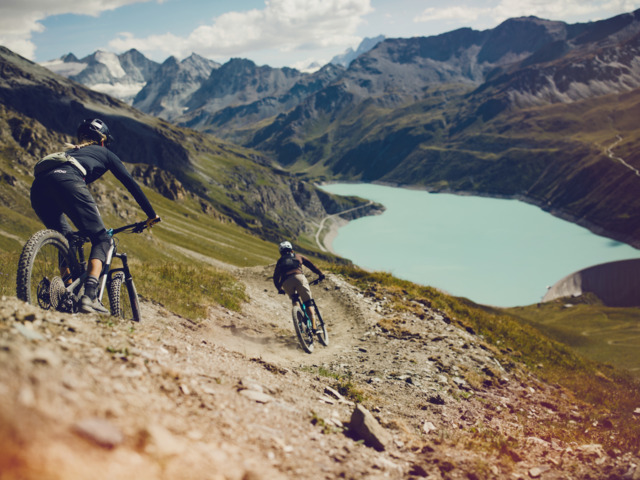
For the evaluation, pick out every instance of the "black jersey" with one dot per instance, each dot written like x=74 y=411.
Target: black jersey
x=98 y=160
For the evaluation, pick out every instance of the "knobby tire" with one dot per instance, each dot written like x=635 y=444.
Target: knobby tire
x=305 y=337
x=39 y=265
x=124 y=305
x=323 y=336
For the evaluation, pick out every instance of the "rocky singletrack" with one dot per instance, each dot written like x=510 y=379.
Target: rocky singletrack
x=233 y=396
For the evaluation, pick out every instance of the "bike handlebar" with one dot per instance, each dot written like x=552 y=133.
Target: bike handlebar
x=137 y=227
x=317 y=280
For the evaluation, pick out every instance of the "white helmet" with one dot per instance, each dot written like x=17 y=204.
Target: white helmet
x=285 y=247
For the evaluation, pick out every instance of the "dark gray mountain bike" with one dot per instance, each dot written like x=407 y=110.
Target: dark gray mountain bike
x=52 y=270
x=302 y=322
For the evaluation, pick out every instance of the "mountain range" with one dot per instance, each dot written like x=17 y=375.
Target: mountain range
x=39 y=110
x=529 y=109
x=160 y=89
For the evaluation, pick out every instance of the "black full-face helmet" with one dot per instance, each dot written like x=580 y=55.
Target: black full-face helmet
x=94 y=129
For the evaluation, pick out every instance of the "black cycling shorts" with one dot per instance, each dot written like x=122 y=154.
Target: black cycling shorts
x=63 y=191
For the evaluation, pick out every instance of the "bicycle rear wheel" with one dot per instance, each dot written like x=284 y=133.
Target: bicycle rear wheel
x=124 y=304
x=303 y=332
x=43 y=258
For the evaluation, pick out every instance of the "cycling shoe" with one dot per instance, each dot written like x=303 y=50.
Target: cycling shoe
x=92 y=306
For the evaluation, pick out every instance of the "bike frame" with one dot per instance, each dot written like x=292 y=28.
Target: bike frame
x=107 y=272
x=302 y=322
x=296 y=299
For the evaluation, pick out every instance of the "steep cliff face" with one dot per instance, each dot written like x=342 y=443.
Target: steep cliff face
x=236 y=121
x=241 y=81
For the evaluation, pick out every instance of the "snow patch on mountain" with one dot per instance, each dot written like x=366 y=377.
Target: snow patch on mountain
x=124 y=91
x=350 y=55
x=66 y=69
x=112 y=62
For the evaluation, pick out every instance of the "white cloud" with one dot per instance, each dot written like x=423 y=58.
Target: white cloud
x=462 y=14
x=565 y=10
x=553 y=10
x=284 y=25
x=20 y=18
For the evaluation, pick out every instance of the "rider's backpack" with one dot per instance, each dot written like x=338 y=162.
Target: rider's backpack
x=56 y=160
x=290 y=262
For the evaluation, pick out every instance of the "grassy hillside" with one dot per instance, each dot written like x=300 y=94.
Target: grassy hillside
x=613 y=392
x=603 y=334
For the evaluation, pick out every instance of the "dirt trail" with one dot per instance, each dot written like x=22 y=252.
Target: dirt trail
x=233 y=397
x=265 y=327
x=613 y=156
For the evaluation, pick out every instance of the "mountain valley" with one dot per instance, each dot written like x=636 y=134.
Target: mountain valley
x=526 y=110
x=415 y=383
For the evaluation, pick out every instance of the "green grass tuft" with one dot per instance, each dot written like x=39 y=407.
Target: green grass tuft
x=188 y=290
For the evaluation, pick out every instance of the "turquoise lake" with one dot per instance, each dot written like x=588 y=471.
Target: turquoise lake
x=495 y=252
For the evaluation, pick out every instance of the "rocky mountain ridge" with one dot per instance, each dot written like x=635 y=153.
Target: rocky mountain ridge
x=167 y=90
x=393 y=71
x=531 y=61
x=494 y=64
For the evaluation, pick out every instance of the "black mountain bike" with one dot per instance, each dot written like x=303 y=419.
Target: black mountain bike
x=303 y=325
x=52 y=270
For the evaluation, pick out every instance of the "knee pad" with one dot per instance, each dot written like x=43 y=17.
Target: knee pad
x=100 y=244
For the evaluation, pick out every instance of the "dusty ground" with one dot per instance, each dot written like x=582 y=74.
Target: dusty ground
x=234 y=397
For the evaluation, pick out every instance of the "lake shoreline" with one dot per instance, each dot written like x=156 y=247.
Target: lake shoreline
x=595 y=229
x=454 y=224
x=327 y=240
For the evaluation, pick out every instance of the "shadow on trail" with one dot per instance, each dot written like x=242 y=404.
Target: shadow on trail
x=264 y=328
x=289 y=342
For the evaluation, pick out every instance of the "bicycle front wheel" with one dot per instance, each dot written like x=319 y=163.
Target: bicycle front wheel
x=124 y=304
x=44 y=259
x=323 y=336
x=303 y=331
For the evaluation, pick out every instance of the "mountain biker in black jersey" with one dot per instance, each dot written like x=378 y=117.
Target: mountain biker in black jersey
x=288 y=276
x=62 y=189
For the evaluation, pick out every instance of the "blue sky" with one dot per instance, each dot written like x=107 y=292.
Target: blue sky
x=274 y=32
